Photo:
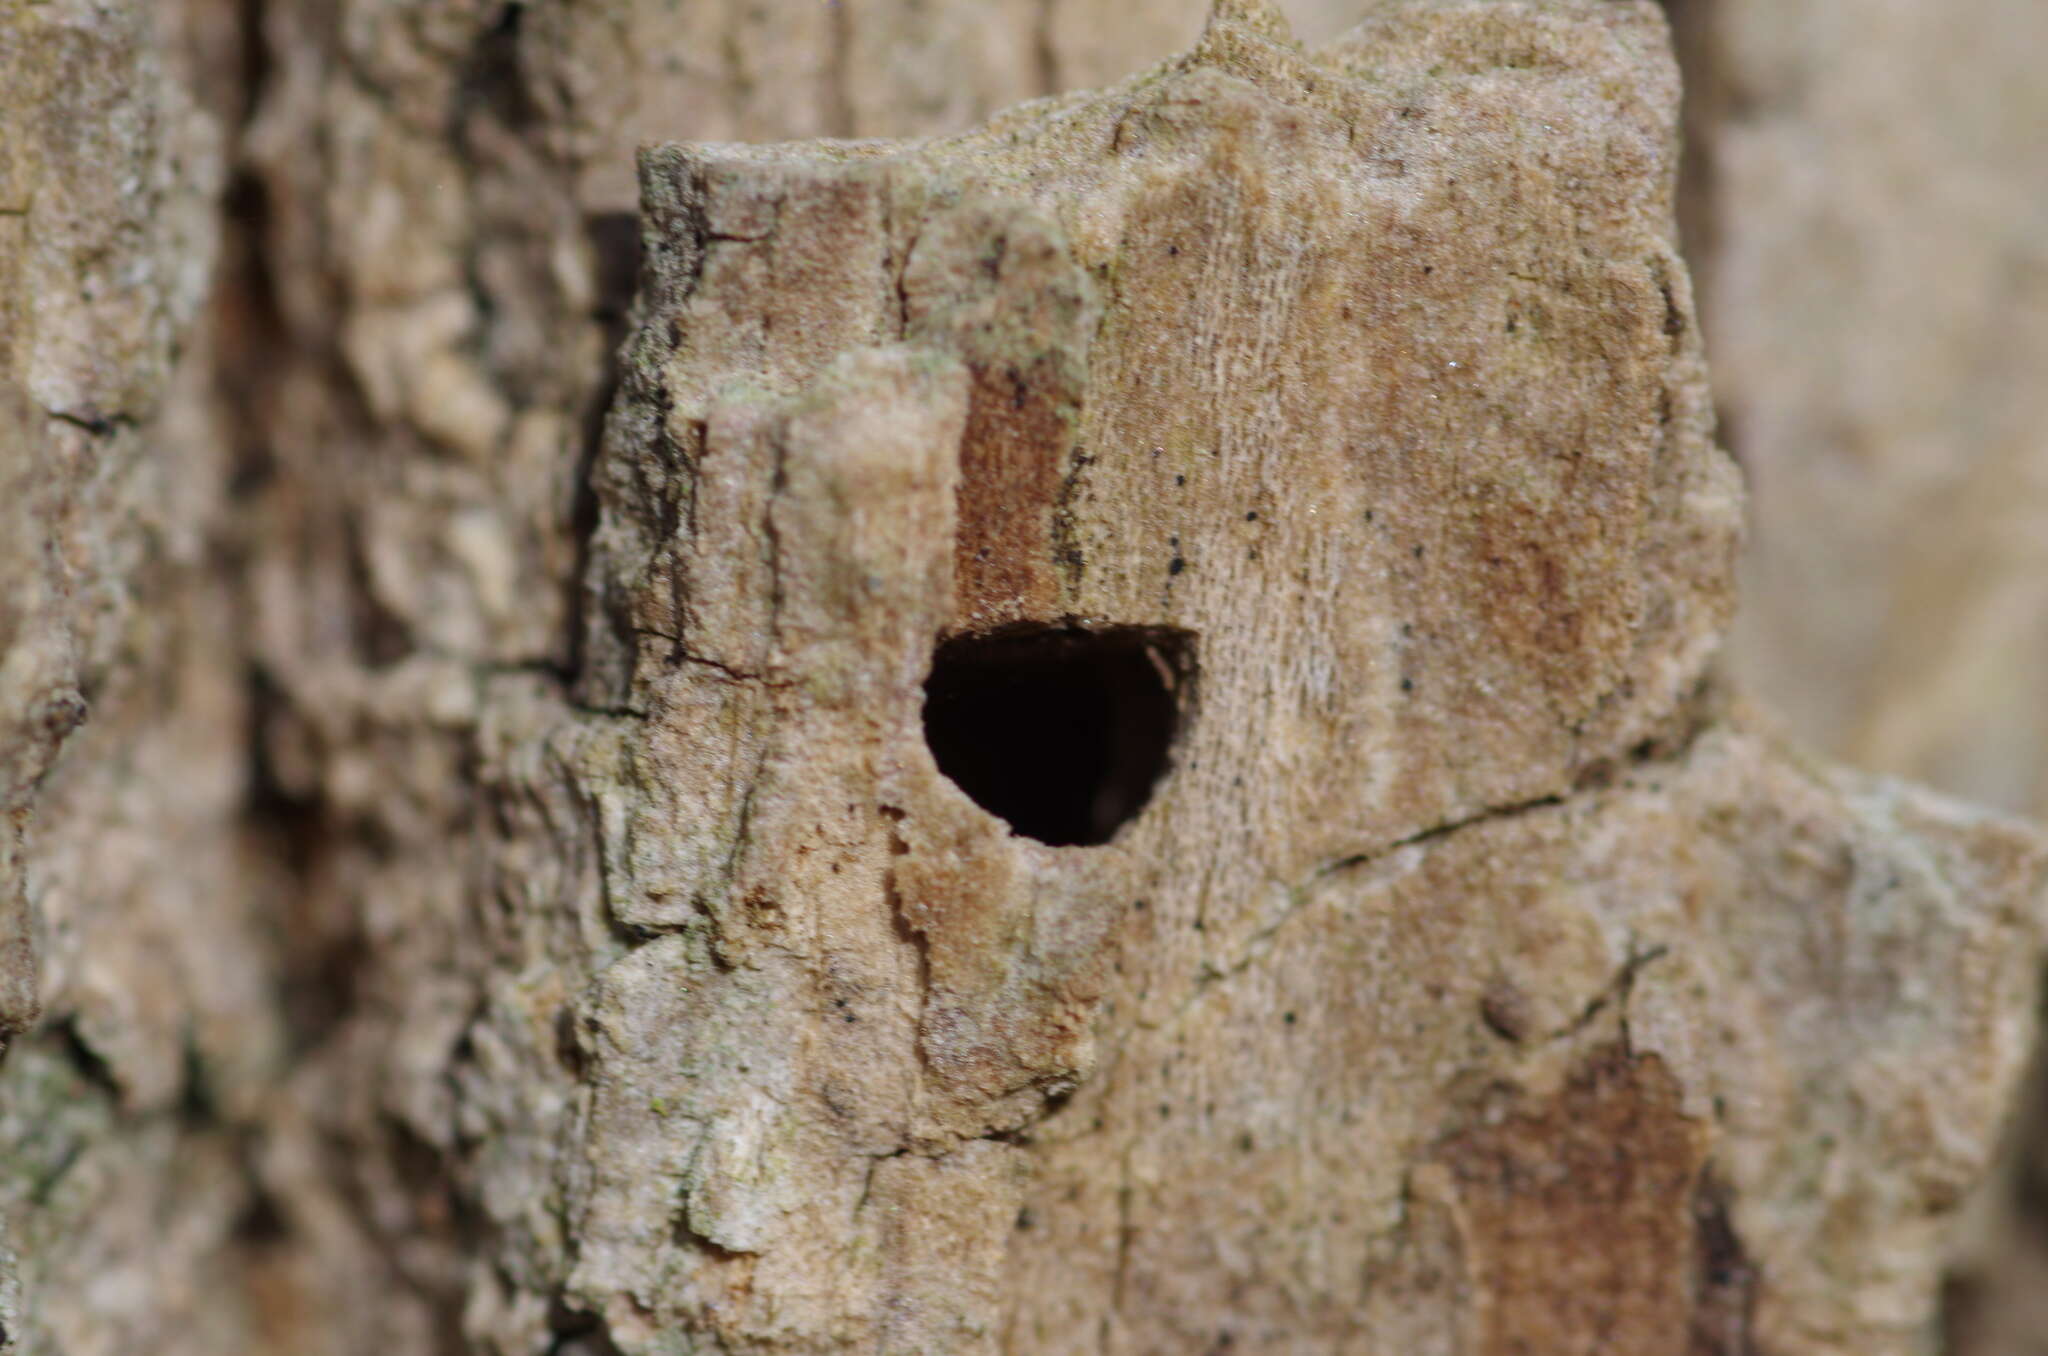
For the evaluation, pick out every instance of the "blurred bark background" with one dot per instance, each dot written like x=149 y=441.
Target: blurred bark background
x=307 y=310
x=1865 y=210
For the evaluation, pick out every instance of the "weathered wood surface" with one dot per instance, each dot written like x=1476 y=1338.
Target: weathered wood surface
x=1472 y=981
x=263 y=269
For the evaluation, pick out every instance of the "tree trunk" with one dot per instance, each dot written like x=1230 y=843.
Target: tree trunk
x=1116 y=747
x=1877 y=353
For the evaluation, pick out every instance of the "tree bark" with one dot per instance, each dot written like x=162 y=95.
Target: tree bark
x=1117 y=745
x=1877 y=312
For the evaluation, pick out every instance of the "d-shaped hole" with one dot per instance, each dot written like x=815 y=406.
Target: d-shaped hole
x=1059 y=730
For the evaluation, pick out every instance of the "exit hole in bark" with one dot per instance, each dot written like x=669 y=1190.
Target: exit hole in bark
x=1060 y=731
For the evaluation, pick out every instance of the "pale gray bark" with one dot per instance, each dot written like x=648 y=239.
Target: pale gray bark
x=1877 y=312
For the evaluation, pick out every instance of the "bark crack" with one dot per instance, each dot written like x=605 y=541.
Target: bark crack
x=718 y=667
x=93 y=422
x=1259 y=943
x=911 y=933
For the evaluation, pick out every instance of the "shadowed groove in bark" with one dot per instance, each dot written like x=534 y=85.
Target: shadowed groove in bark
x=1702 y=107
x=1979 y=1308
x=1725 y=1279
x=1710 y=102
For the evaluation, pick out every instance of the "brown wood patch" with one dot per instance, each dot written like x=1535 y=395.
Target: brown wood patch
x=1011 y=461
x=1578 y=1215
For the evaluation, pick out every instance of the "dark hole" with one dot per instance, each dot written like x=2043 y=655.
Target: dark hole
x=1061 y=731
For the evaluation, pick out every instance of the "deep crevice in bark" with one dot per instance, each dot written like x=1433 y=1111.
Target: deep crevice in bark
x=1725 y=1282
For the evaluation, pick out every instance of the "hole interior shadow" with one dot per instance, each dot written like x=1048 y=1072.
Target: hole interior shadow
x=1060 y=731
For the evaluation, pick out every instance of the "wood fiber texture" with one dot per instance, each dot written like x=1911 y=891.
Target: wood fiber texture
x=1472 y=982
x=565 y=939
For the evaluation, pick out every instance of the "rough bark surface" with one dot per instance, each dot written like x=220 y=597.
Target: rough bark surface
x=414 y=222
x=627 y=976
x=123 y=917
x=1378 y=988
